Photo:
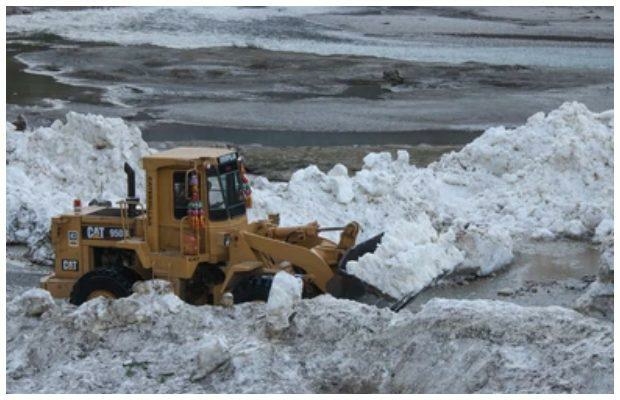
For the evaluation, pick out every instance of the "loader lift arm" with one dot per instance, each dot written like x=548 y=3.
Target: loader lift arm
x=272 y=251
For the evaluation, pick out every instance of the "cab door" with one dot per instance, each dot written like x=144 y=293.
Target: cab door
x=173 y=203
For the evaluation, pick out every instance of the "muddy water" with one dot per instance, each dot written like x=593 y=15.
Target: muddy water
x=186 y=132
x=29 y=89
x=541 y=274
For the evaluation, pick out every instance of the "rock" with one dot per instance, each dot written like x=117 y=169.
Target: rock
x=284 y=294
x=212 y=354
x=20 y=123
x=597 y=301
x=19 y=10
x=606 y=261
x=505 y=292
x=393 y=77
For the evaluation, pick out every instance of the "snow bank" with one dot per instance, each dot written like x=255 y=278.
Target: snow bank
x=331 y=346
x=50 y=166
x=554 y=173
x=550 y=178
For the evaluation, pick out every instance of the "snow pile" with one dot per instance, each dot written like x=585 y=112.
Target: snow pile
x=553 y=173
x=331 y=346
x=550 y=178
x=410 y=257
x=284 y=293
x=50 y=166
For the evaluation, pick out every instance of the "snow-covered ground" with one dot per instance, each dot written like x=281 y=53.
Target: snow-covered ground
x=154 y=342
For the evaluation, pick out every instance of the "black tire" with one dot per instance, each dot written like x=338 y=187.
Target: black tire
x=257 y=287
x=252 y=288
x=113 y=280
x=129 y=273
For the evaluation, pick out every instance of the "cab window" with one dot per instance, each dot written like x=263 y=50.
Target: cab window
x=179 y=195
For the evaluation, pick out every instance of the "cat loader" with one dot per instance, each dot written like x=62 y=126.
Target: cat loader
x=194 y=232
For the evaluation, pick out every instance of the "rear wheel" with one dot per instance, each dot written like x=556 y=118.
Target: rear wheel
x=107 y=282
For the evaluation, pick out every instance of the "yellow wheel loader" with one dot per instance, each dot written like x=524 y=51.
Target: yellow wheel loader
x=194 y=233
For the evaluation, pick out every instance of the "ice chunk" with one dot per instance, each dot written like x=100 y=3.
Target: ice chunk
x=340 y=184
x=33 y=303
x=485 y=249
x=212 y=352
x=604 y=229
x=150 y=301
x=285 y=292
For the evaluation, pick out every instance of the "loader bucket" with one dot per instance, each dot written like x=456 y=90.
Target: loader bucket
x=346 y=286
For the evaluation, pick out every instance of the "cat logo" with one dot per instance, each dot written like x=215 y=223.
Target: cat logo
x=69 y=265
x=105 y=232
x=95 y=232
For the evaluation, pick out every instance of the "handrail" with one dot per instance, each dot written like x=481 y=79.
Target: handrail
x=195 y=231
x=124 y=208
x=122 y=204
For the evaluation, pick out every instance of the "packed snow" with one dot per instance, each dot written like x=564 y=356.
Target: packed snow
x=550 y=178
x=48 y=167
x=154 y=342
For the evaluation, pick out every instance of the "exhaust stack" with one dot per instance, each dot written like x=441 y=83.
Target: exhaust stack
x=131 y=189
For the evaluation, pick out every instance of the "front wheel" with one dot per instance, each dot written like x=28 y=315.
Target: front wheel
x=252 y=288
x=257 y=287
x=107 y=282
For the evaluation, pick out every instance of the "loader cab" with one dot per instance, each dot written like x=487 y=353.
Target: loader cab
x=224 y=189
x=194 y=199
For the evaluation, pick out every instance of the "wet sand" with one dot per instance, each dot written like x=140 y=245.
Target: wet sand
x=324 y=105
x=253 y=88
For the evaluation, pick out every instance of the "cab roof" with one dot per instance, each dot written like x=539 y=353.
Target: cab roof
x=190 y=153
